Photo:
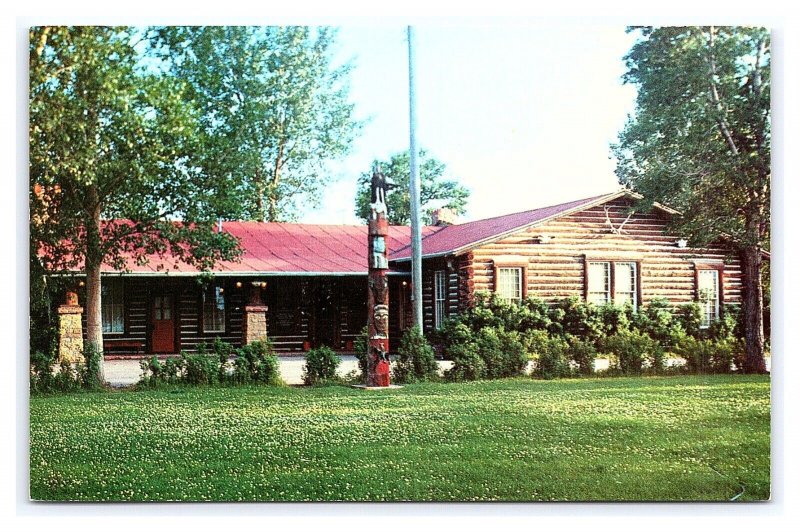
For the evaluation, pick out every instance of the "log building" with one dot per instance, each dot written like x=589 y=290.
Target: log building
x=306 y=285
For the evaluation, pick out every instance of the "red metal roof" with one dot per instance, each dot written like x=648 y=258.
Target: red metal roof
x=458 y=237
x=298 y=249
x=275 y=248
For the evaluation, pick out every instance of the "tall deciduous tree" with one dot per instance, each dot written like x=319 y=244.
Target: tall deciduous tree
x=274 y=111
x=436 y=190
x=700 y=141
x=110 y=171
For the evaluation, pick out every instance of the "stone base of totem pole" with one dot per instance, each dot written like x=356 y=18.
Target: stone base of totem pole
x=365 y=387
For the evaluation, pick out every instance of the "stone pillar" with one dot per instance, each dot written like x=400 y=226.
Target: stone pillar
x=70 y=330
x=254 y=321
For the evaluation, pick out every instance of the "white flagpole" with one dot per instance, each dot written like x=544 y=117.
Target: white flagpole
x=416 y=231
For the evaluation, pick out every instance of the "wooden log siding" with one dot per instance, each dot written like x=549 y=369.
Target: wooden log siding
x=557 y=269
x=451 y=267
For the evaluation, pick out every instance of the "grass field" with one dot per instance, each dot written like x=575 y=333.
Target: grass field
x=672 y=438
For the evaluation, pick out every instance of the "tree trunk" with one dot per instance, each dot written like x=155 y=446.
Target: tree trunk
x=261 y=212
x=94 y=260
x=753 y=311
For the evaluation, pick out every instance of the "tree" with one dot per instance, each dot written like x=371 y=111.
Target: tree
x=435 y=192
x=700 y=141
x=111 y=176
x=273 y=111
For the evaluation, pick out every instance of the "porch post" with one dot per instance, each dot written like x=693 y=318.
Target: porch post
x=254 y=324
x=70 y=330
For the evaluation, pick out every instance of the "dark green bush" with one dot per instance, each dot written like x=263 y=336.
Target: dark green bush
x=631 y=350
x=223 y=351
x=581 y=353
x=416 y=360
x=690 y=316
x=727 y=326
x=657 y=321
x=68 y=377
x=467 y=363
x=321 y=364
x=488 y=354
x=711 y=356
x=613 y=318
x=361 y=347
x=200 y=368
x=258 y=362
x=551 y=359
x=578 y=318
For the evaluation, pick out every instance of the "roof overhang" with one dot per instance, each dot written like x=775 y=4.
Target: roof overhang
x=234 y=274
x=498 y=236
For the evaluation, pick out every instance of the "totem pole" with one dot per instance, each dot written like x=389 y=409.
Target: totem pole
x=378 y=293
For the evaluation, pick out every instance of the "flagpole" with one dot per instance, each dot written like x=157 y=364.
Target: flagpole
x=416 y=231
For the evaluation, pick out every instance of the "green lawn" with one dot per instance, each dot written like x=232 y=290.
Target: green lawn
x=512 y=440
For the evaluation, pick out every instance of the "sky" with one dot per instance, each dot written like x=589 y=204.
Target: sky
x=522 y=115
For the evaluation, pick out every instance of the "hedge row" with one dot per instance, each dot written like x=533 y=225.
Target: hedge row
x=496 y=339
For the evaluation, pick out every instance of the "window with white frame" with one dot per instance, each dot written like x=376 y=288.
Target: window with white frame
x=708 y=295
x=509 y=284
x=439 y=297
x=625 y=284
x=112 y=306
x=214 y=309
x=599 y=283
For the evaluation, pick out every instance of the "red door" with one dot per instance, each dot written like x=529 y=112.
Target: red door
x=163 y=324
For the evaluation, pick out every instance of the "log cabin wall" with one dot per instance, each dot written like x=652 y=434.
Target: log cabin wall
x=557 y=269
x=450 y=267
x=303 y=312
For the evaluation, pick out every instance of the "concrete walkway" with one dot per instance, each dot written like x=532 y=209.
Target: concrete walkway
x=127 y=372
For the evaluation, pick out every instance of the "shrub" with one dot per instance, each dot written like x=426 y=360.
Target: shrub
x=361 y=347
x=200 y=368
x=490 y=354
x=631 y=350
x=727 y=326
x=576 y=317
x=259 y=362
x=151 y=371
x=657 y=321
x=710 y=356
x=224 y=351
x=90 y=369
x=321 y=364
x=613 y=318
x=582 y=353
x=41 y=377
x=416 y=360
x=534 y=342
x=460 y=347
x=467 y=363
x=514 y=356
x=69 y=377
x=690 y=316
x=552 y=360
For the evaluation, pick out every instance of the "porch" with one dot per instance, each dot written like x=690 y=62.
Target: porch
x=146 y=315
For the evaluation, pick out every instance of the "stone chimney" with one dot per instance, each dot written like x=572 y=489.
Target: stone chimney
x=444 y=216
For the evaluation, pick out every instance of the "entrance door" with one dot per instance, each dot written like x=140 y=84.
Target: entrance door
x=163 y=323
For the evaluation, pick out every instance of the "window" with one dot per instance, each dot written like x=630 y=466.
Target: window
x=214 y=309
x=612 y=282
x=625 y=290
x=509 y=284
x=439 y=299
x=112 y=306
x=708 y=295
x=599 y=283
